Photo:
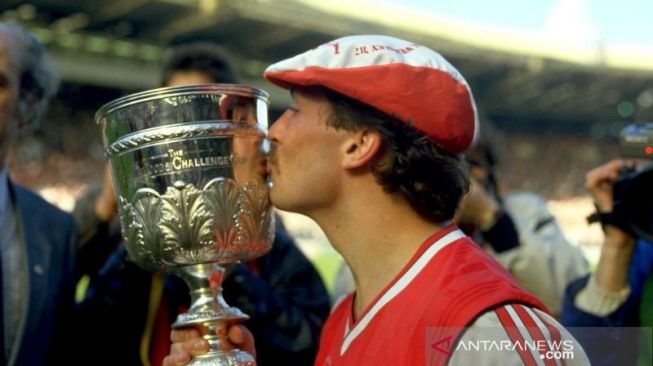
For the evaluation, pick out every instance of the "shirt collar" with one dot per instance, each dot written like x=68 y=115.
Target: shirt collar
x=4 y=190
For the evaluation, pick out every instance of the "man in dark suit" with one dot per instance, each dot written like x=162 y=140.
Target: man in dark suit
x=37 y=240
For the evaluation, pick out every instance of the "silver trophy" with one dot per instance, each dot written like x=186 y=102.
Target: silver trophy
x=189 y=172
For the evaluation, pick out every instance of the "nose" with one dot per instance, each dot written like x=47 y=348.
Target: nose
x=276 y=130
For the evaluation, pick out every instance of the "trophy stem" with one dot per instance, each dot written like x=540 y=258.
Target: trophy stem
x=210 y=310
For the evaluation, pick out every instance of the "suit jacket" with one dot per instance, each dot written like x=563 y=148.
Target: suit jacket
x=50 y=239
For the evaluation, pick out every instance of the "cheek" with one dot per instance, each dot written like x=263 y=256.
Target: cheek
x=308 y=153
x=317 y=168
x=299 y=162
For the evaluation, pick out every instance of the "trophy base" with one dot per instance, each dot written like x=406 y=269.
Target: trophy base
x=234 y=357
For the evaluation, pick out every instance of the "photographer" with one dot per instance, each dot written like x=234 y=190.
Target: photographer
x=620 y=291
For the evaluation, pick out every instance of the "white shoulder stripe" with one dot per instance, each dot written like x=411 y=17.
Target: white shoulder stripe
x=545 y=330
x=401 y=284
x=523 y=331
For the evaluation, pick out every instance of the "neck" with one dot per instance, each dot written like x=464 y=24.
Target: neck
x=377 y=234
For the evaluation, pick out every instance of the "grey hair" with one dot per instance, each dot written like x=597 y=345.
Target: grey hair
x=38 y=79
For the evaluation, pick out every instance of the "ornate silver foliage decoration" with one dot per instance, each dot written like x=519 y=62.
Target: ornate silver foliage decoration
x=222 y=196
x=222 y=222
x=255 y=219
x=140 y=228
x=186 y=224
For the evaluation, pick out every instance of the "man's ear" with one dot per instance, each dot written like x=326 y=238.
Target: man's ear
x=361 y=148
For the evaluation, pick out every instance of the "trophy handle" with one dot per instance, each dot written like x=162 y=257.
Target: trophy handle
x=210 y=310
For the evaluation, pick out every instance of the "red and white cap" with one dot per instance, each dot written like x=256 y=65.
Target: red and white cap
x=402 y=79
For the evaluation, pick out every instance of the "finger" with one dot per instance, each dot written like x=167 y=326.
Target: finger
x=183 y=335
x=593 y=178
x=176 y=359
x=236 y=334
x=242 y=338
x=196 y=347
x=193 y=347
x=178 y=348
x=608 y=172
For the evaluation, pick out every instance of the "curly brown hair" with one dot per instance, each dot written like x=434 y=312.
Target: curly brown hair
x=432 y=180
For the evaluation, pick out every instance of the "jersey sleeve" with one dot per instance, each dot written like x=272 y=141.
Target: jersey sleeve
x=516 y=334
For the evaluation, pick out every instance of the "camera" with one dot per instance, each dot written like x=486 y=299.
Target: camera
x=633 y=191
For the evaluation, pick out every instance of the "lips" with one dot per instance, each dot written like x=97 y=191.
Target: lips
x=262 y=167
x=268 y=172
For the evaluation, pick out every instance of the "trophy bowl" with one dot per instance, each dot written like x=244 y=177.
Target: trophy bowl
x=189 y=172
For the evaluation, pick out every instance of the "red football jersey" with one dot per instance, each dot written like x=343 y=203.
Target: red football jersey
x=447 y=284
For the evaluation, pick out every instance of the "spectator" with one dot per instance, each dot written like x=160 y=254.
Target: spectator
x=369 y=149
x=281 y=291
x=38 y=241
x=517 y=228
x=619 y=293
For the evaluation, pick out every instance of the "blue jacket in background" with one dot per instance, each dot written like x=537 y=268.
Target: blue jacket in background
x=615 y=344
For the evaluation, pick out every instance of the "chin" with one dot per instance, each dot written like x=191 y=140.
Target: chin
x=277 y=201
x=273 y=197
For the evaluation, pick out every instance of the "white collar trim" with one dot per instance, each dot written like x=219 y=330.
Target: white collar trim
x=400 y=285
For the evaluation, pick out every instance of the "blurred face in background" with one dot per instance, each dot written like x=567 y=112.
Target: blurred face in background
x=479 y=167
x=9 y=92
x=188 y=77
x=250 y=163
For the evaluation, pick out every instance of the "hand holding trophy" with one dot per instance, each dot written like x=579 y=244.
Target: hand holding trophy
x=189 y=172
